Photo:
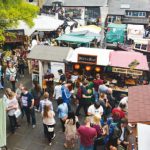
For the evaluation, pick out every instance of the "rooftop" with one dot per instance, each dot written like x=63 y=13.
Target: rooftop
x=139 y=104
x=49 y=53
x=78 y=2
x=118 y=7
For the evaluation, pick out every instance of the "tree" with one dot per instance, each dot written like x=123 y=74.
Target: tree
x=11 y=11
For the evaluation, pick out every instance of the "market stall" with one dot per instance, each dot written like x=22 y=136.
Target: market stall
x=45 y=60
x=41 y=23
x=128 y=68
x=83 y=38
x=135 y=31
x=88 y=61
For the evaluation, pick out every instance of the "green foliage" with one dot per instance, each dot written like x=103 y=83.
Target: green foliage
x=11 y=11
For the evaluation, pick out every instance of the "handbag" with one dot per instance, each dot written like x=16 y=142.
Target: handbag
x=12 y=78
x=50 y=129
x=17 y=113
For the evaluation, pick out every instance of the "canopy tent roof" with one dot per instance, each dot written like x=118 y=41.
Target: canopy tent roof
x=123 y=59
x=90 y=28
x=135 y=31
x=113 y=25
x=139 y=104
x=79 y=37
x=49 y=53
x=41 y=23
x=102 y=55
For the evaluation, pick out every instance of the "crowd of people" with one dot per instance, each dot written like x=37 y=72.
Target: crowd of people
x=105 y=122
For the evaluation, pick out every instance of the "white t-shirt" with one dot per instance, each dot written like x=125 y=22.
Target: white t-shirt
x=57 y=91
x=125 y=102
x=12 y=102
x=50 y=120
x=92 y=110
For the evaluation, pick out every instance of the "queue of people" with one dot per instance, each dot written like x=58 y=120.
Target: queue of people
x=105 y=123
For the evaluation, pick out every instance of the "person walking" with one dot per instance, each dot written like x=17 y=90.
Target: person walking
x=97 y=82
x=62 y=76
x=1 y=76
x=57 y=91
x=36 y=92
x=27 y=102
x=62 y=112
x=49 y=123
x=18 y=96
x=87 y=135
x=11 y=107
x=66 y=94
x=82 y=95
x=21 y=66
x=70 y=130
x=11 y=75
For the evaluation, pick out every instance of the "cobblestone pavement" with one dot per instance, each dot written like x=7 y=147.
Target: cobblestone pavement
x=27 y=138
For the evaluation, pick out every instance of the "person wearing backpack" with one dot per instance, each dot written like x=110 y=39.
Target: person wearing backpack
x=82 y=96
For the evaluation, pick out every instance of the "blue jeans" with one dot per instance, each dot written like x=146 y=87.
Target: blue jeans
x=30 y=112
x=86 y=148
x=96 y=95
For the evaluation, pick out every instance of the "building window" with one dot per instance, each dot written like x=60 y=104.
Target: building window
x=74 y=12
x=92 y=12
x=112 y=19
x=135 y=13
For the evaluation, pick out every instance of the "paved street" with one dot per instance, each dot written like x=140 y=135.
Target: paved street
x=27 y=138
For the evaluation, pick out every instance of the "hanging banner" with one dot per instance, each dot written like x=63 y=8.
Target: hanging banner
x=127 y=71
x=92 y=59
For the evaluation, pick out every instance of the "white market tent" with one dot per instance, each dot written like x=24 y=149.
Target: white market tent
x=90 y=28
x=143 y=136
x=135 y=31
x=41 y=23
x=102 y=55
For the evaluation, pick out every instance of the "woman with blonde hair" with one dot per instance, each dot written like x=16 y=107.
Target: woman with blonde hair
x=6 y=93
x=49 y=122
x=45 y=101
x=105 y=104
x=11 y=74
x=97 y=125
x=11 y=107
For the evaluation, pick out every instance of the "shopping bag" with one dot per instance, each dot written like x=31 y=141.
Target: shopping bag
x=17 y=113
x=50 y=129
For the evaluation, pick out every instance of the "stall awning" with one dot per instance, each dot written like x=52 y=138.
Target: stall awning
x=79 y=37
x=49 y=53
x=88 y=54
x=90 y=28
x=139 y=104
x=125 y=59
x=41 y=23
x=135 y=31
x=75 y=39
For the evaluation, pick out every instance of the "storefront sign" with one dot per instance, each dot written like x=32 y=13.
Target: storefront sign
x=127 y=71
x=87 y=59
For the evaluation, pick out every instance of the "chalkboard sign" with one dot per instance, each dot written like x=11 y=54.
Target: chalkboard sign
x=87 y=59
